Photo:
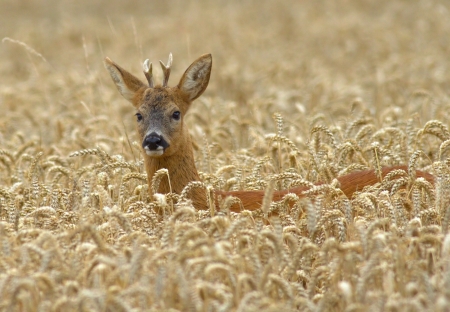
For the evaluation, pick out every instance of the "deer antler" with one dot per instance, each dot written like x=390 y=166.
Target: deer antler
x=166 y=70
x=147 y=66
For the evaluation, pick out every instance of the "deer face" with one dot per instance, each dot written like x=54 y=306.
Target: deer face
x=160 y=121
x=161 y=109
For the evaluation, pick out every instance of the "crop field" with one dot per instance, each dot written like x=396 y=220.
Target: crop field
x=301 y=92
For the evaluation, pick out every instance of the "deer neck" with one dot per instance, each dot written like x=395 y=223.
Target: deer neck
x=182 y=170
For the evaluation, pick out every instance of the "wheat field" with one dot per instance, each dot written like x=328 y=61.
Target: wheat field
x=301 y=92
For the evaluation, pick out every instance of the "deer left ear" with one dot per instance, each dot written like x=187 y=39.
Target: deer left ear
x=196 y=78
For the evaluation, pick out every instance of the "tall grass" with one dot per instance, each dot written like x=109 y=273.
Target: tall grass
x=301 y=92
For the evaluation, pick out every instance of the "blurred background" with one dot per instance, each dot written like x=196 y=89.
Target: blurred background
x=330 y=60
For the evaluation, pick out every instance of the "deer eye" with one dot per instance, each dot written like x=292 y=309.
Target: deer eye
x=139 y=117
x=176 y=115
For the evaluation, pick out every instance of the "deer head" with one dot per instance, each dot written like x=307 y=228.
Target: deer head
x=160 y=108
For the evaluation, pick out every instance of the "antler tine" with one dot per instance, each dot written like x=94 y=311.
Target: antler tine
x=166 y=70
x=147 y=66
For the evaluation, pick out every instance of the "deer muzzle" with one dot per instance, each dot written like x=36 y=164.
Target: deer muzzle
x=154 y=144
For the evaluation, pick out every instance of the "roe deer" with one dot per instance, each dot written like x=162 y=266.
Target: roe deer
x=166 y=141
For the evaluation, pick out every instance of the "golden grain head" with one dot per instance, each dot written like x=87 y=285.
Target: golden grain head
x=301 y=92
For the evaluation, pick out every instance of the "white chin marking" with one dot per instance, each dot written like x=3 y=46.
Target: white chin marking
x=154 y=153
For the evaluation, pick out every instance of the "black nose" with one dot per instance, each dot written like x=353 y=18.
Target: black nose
x=153 y=141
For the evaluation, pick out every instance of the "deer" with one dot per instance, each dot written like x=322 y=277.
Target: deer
x=167 y=144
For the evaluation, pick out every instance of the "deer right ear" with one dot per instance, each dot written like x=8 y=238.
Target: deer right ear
x=196 y=78
x=128 y=85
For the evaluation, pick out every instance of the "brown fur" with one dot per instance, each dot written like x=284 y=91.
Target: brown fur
x=349 y=184
x=156 y=104
x=182 y=170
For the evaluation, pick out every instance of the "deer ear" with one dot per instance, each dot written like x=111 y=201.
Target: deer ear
x=128 y=85
x=196 y=78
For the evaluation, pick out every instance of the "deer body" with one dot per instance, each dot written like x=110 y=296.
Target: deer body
x=166 y=141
